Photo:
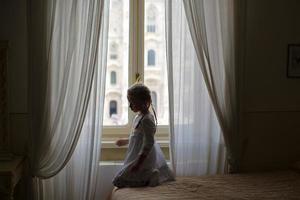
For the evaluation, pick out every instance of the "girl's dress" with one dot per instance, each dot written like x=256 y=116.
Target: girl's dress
x=141 y=140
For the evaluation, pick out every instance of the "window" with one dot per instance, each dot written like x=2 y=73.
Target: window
x=117 y=72
x=113 y=56
x=151 y=19
x=150 y=28
x=114 y=51
x=113 y=77
x=112 y=108
x=135 y=48
x=151 y=57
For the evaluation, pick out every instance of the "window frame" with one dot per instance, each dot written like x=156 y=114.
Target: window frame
x=135 y=68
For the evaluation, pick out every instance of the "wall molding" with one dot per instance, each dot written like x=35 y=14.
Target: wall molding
x=14 y=113
x=272 y=111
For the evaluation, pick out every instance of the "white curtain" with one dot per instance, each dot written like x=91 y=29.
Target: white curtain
x=196 y=140
x=202 y=84
x=212 y=25
x=68 y=41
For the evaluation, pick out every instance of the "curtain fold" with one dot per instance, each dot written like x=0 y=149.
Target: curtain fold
x=196 y=141
x=212 y=28
x=68 y=41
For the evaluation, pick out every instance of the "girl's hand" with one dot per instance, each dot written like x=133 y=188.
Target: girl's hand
x=121 y=142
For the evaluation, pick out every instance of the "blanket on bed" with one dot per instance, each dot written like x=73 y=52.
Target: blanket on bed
x=279 y=185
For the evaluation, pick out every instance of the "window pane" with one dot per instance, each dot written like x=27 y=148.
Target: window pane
x=115 y=105
x=155 y=54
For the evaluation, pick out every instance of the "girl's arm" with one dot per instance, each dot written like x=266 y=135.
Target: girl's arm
x=149 y=128
x=122 y=142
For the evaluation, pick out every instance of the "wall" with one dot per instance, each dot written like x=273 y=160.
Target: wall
x=13 y=27
x=271 y=101
x=13 y=21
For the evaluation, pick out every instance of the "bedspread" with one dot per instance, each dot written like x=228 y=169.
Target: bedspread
x=255 y=186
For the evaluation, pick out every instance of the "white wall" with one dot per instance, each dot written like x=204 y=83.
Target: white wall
x=271 y=101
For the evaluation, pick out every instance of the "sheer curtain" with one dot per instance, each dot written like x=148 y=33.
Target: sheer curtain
x=212 y=27
x=197 y=146
x=202 y=84
x=68 y=41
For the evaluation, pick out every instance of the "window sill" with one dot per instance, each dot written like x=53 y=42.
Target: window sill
x=109 y=144
x=112 y=133
x=110 y=163
x=118 y=163
x=112 y=153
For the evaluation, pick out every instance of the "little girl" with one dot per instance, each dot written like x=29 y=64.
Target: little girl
x=144 y=164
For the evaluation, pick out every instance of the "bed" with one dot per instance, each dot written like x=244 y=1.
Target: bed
x=255 y=186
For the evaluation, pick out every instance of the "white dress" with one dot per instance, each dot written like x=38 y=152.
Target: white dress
x=141 y=140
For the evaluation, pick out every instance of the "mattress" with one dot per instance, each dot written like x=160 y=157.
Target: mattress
x=255 y=186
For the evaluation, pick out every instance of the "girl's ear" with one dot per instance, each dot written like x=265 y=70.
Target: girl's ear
x=145 y=106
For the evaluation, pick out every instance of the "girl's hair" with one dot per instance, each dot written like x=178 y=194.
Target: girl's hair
x=141 y=93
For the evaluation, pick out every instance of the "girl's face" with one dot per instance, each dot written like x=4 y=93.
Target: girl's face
x=135 y=105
